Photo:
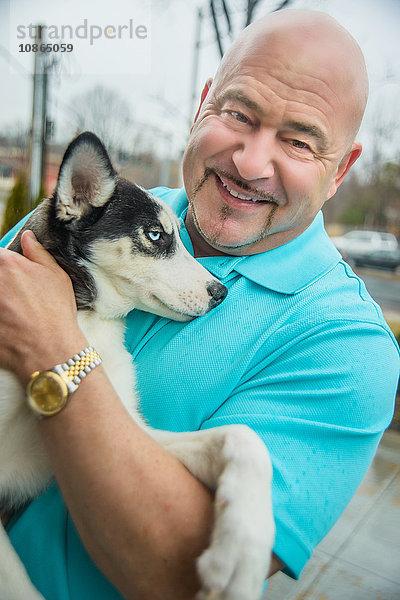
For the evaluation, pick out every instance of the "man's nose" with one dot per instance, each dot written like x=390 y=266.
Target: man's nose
x=254 y=157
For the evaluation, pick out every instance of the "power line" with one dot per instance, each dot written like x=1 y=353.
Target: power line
x=12 y=60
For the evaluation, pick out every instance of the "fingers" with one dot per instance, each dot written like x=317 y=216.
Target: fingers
x=34 y=251
x=37 y=309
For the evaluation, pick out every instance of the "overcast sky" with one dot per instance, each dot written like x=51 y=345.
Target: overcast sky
x=144 y=51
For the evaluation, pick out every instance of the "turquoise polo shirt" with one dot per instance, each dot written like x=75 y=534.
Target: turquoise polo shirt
x=298 y=351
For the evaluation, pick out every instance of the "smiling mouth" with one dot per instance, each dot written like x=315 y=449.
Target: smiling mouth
x=240 y=196
x=257 y=198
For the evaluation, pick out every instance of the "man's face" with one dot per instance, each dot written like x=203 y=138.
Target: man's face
x=264 y=155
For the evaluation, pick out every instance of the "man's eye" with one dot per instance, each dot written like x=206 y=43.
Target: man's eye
x=238 y=116
x=154 y=236
x=300 y=145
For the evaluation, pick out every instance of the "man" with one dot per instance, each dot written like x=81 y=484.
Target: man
x=298 y=350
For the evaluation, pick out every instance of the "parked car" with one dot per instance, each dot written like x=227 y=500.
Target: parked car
x=364 y=242
x=381 y=259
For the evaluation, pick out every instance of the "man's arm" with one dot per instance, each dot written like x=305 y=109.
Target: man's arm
x=141 y=515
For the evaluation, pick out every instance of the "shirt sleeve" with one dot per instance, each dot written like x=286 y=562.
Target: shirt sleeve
x=10 y=235
x=321 y=405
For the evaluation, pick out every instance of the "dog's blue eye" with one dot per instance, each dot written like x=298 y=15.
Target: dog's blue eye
x=154 y=235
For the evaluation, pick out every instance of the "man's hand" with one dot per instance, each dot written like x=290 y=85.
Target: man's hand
x=38 y=325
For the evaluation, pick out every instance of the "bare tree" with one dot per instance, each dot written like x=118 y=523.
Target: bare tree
x=383 y=128
x=221 y=15
x=104 y=112
x=16 y=135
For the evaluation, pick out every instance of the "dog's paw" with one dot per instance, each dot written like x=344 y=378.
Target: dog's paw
x=235 y=565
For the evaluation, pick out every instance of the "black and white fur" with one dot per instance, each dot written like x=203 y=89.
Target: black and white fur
x=121 y=247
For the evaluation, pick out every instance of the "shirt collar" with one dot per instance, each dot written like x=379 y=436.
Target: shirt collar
x=287 y=269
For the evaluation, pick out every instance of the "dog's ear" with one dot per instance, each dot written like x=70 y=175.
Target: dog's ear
x=86 y=178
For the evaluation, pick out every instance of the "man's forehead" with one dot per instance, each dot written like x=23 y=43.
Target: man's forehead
x=303 y=44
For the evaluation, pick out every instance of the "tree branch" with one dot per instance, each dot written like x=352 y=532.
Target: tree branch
x=217 y=32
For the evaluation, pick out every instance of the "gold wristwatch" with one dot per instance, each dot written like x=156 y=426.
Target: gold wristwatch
x=48 y=391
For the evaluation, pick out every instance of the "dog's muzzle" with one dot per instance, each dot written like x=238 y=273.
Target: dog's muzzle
x=218 y=293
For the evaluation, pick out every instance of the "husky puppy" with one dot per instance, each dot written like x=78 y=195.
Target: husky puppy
x=121 y=247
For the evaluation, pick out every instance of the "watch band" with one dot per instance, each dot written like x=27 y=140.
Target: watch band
x=77 y=367
x=48 y=391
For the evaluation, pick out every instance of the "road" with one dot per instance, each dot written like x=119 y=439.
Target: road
x=383 y=286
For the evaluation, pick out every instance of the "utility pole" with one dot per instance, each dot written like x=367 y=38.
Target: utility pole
x=37 y=143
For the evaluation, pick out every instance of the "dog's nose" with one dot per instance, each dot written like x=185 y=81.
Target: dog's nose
x=218 y=293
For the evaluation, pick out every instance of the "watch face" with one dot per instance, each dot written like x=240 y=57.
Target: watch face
x=47 y=393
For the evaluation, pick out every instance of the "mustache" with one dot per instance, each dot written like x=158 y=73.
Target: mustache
x=253 y=191
x=207 y=173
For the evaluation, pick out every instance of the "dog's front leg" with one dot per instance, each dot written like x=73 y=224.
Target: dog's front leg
x=14 y=581
x=233 y=461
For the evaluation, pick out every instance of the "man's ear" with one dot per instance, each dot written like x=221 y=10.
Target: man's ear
x=204 y=93
x=344 y=167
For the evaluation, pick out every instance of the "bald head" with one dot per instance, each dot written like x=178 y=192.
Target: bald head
x=305 y=42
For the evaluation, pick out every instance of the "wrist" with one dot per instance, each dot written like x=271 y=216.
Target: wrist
x=44 y=355
x=49 y=391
